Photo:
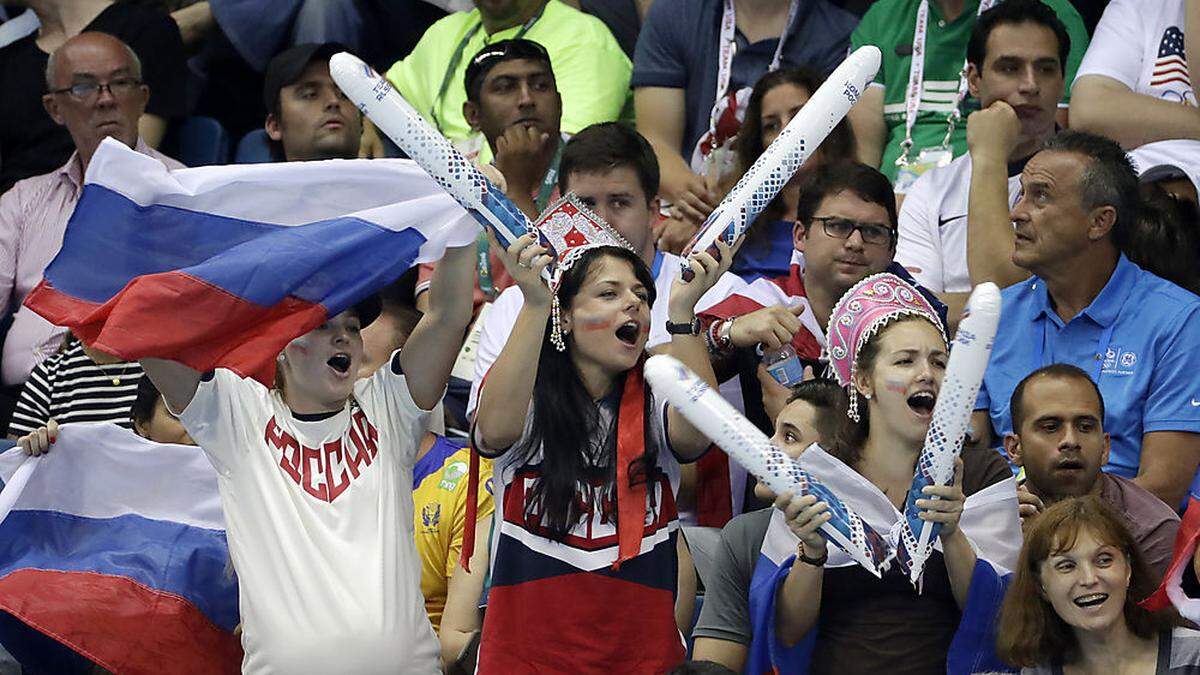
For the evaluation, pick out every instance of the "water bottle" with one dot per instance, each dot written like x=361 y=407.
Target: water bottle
x=784 y=365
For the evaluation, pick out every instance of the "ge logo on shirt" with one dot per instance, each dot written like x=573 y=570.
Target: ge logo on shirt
x=326 y=472
x=1119 y=361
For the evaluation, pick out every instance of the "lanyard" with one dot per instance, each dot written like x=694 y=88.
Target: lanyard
x=456 y=58
x=550 y=180
x=728 y=47
x=483 y=261
x=916 y=81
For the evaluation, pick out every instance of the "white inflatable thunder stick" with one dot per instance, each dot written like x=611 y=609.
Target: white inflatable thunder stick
x=796 y=143
x=378 y=100
x=736 y=435
x=912 y=537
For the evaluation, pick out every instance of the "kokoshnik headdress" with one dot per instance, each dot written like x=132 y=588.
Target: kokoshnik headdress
x=570 y=229
x=863 y=311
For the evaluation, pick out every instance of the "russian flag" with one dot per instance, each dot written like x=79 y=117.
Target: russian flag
x=1170 y=591
x=115 y=548
x=224 y=265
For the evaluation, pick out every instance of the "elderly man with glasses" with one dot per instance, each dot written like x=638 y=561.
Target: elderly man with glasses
x=95 y=90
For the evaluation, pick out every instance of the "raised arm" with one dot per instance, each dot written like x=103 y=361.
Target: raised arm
x=991 y=137
x=685 y=439
x=429 y=353
x=957 y=553
x=870 y=131
x=176 y=381
x=660 y=119
x=506 y=393
x=1105 y=106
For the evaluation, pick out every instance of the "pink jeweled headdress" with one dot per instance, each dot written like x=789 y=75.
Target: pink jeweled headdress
x=862 y=312
x=570 y=229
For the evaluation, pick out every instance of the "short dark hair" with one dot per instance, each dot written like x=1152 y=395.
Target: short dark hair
x=143 y=405
x=496 y=53
x=1062 y=371
x=830 y=401
x=1016 y=12
x=1109 y=178
x=829 y=179
x=607 y=146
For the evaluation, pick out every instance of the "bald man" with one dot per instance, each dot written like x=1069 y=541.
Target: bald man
x=95 y=90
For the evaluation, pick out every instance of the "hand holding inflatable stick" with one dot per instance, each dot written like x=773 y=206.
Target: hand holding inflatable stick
x=378 y=100
x=779 y=162
x=737 y=436
x=912 y=537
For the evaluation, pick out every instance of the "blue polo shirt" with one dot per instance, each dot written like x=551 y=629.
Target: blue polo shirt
x=1139 y=339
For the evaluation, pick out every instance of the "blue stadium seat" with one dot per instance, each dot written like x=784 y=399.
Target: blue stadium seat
x=254 y=148
x=198 y=141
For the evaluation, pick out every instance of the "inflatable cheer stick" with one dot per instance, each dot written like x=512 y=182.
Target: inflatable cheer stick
x=378 y=100
x=779 y=162
x=736 y=435
x=948 y=424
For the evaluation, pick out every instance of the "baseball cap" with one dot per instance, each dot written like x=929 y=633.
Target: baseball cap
x=496 y=53
x=287 y=66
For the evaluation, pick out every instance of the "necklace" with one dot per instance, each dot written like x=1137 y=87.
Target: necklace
x=116 y=380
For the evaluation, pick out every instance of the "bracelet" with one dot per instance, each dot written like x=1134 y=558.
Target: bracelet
x=815 y=562
x=721 y=335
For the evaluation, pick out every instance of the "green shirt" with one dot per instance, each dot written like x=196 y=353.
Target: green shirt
x=890 y=24
x=591 y=71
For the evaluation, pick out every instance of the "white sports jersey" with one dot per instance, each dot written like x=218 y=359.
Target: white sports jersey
x=319 y=520
x=1183 y=154
x=932 y=243
x=1140 y=44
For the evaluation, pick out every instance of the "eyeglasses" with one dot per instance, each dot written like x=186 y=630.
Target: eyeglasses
x=88 y=91
x=842 y=228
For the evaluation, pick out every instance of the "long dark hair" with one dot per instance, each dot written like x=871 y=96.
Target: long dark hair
x=1030 y=632
x=577 y=454
x=839 y=144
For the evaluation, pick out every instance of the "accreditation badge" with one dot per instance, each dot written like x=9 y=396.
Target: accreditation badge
x=929 y=158
x=464 y=365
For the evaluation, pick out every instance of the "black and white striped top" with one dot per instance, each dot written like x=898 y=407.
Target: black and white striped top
x=70 y=387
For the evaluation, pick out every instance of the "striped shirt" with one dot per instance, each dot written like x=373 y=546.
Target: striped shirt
x=70 y=387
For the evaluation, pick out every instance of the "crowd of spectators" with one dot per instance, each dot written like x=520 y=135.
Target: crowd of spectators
x=1051 y=147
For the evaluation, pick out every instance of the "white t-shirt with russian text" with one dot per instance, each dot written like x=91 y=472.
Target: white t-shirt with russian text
x=1140 y=44
x=319 y=518
x=932 y=241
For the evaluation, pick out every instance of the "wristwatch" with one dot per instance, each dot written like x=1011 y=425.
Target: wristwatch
x=692 y=328
x=815 y=562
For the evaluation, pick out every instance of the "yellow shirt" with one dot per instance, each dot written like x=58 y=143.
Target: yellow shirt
x=591 y=71
x=440 y=480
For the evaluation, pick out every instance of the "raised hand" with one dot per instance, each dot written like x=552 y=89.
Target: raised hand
x=804 y=517
x=771 y=327
x=525 y=260
x=944 y=503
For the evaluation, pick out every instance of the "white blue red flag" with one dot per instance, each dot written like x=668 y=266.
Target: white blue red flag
x=224 y=265
x=1171 y=591
x=114 y=547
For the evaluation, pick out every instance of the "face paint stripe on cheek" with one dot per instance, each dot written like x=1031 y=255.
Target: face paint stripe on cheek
x=894 y=386
x=596 y=324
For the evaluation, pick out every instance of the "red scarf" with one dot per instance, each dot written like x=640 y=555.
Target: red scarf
x=631 y=499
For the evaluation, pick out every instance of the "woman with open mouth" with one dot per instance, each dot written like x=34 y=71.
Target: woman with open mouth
x=584 y=563
x=887 y=346
x=1072 y=606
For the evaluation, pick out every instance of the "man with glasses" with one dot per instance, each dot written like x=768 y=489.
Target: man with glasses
x=845 y=231
x=95 y=90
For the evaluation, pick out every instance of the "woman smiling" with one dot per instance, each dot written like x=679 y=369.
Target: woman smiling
x=1072 y=606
